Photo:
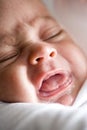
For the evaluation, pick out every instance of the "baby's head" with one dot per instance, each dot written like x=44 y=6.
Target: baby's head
x=39 y=62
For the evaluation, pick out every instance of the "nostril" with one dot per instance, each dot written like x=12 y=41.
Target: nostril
x=52 y=54
x=39 y=59
x=43 y=54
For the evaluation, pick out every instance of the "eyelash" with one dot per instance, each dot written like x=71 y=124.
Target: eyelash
x=8 y=57
x=53 y=36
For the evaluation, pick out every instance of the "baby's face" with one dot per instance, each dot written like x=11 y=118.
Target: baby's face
x=39 y=62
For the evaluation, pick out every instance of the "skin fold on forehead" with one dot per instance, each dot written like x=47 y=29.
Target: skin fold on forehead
x=19 y=10
x=13 y=14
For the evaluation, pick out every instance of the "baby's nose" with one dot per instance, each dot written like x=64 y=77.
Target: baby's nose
x=40 y=53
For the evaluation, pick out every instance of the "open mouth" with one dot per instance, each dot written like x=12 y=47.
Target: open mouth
x=55 y=84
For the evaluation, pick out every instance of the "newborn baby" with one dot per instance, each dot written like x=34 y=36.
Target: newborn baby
x=39 y=61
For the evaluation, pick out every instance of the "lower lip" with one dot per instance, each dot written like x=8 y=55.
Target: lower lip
x=60 y=91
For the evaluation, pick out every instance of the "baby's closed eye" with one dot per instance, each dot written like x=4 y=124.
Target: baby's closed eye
x=8 y=56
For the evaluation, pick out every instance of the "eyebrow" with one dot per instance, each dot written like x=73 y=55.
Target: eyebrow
x=46 y=17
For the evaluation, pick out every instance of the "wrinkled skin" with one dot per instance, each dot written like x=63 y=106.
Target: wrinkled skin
x=39 y=62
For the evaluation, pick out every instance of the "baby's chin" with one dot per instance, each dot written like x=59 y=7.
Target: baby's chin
x=66 y=100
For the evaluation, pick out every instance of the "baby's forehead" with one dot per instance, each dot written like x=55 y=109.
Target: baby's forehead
x=17 y=13
x=20 y=10
x=39 y=23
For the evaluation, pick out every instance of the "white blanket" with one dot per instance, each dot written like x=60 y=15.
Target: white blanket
x=27 y=116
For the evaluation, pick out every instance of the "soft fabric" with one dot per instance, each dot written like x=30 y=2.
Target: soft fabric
x=27 y=116
x=82 y=96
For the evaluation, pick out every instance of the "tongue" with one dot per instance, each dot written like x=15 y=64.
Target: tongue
x=52 y=83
